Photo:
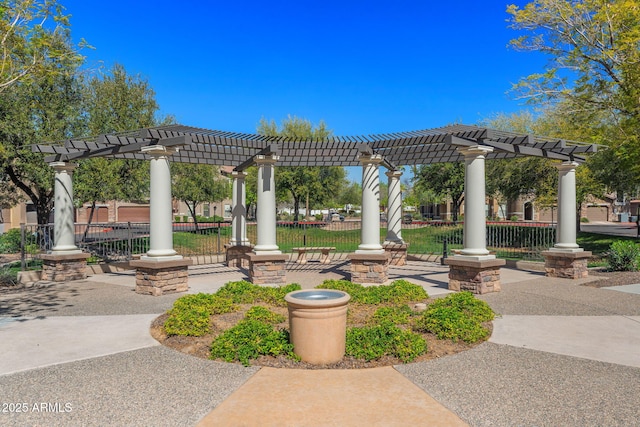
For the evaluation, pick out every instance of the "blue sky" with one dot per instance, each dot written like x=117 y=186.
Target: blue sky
x=364 y=67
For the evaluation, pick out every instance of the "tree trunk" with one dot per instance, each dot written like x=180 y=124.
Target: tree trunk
x=457 y=202
x=456 y=210
x=296 y=207
x=86 y=230
x=307 y=207
x=42 y=210
x=42 y=202
x=578 y=217
x=193 y=213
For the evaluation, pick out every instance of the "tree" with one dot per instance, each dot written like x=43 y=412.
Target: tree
x=420 y=196
x=534 y=176
x=594 y=65
x=47 y=108
x=351 y=194
x=194 y=184
x=251 y=190
x=33 y=34
x=444 y=179
x=115 y=102
x=509 y=179
x=383 y=189
x=302 y=182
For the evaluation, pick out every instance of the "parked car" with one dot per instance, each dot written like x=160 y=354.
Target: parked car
x=407 y=219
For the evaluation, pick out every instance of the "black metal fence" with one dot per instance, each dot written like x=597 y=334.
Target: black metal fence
x=122 y=241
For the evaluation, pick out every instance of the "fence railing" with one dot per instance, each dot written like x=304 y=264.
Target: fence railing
x=122 y=241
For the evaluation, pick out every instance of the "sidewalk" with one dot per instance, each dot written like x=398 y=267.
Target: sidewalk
x=561 y=354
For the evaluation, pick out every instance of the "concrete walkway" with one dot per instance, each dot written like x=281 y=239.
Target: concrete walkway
x=80 y=353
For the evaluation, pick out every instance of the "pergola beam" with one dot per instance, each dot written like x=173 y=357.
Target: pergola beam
x=102 y=149
x=404 y=148
x=267 y=151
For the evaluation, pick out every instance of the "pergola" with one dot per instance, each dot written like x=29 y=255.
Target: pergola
x=179 y=143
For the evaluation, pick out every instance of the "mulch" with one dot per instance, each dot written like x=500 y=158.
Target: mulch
x=613 y=278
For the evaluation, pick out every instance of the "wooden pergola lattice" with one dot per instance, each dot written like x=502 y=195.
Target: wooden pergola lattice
x=239 y=150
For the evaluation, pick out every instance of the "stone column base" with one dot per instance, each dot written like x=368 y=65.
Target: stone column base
x=237 y=256
x=567 y=265
x=397 y=252
x=62 y=268
x=369 y=268
x=161 y=277
x=475 y=276
x=267 y=269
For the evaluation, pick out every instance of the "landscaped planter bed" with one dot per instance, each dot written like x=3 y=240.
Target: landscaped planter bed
x=359 y=315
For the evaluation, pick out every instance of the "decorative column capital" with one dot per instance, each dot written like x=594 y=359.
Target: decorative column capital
x=475 y=151
x=159 y=150
x=262 y=159
x=394 y=174
x=370 y=159
x=238 y=174
x=567 y=166
x=63 y=166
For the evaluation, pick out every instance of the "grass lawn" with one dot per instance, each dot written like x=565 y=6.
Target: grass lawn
x=599 y=243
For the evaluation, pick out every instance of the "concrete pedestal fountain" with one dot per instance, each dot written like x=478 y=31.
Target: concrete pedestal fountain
x=318 y=324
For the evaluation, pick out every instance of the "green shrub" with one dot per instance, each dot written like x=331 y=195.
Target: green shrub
x=399 y=291
x=467 y=304
x=457 y=316
x=408 y=346
x=8 y=276
x=10 y=241
x=190 y=321
x=450 y=323
x=263 y=314
x=275 y=295
x=623 y=256
x=397 y=315
x=240 y=292
x=250 y=339
x=374 y=342
x=243 y=292
x=214 y=218
x=514 y=218
x=584 y=219
x=402 y=291
x=214 y=303
x=32 y=248
x=190 y=314
x=355 y=290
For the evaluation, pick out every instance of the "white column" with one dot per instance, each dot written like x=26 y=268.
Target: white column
x=566 y=228
x=370 y=233
x=161 y=227
x=475 y=222
x=64 y=239
x=266 y=244
x=239 y=210
x=394 y=217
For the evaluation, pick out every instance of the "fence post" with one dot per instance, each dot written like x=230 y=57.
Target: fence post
x=304 y=235
x=23 y=259
x=219 y=252
x=444 y=252
x=129 y=242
